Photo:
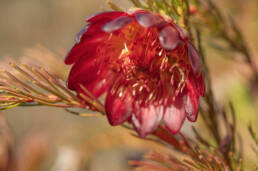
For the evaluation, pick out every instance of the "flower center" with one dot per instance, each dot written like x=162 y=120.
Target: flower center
x=136 y=56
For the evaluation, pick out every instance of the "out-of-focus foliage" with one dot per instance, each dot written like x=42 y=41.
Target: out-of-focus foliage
x=217 y=139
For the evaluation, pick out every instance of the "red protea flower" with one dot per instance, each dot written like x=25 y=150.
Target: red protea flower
x=146 y=65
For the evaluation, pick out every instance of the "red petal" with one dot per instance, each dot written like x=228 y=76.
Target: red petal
x=117 y=24
x=118 y=106
x=174 y=118
x=89 y=41
x=191 y=102
x=90 y=36
x=92 y=74
x=148 y=20
x=169 y=38
x=201 y=85
x=182 y=32
x=83 y=72
x=147 y=119
x=102 y=83
x=194 y=58
x=105 y=15
x=80 y=50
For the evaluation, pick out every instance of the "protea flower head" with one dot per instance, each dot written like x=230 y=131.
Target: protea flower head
x=145 y=65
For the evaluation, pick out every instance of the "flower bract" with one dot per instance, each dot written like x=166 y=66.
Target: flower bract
x=145 y=65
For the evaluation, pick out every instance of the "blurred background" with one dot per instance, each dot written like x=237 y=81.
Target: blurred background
x=45 y=28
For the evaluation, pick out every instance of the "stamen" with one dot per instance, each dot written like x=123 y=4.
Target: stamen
x=125 y=50
x=160 y=52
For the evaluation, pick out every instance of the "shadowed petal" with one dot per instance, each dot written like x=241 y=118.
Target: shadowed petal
x=194 y=58
x=148 y=20
x=169 y=39
x=118 y=106
x=201 y=85
x=174 y=118
x=182 y=32
x=117 y=24
x=147 y=119
x=191 y=102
